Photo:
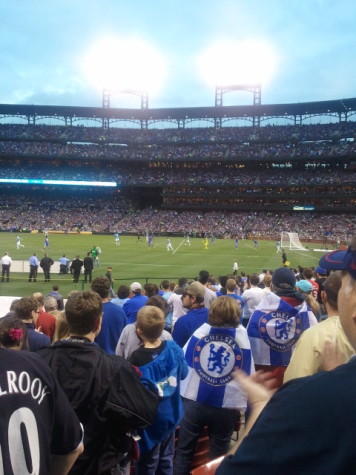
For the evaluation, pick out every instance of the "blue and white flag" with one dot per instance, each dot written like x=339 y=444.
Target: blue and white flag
x=212 y=354
x=274 y=329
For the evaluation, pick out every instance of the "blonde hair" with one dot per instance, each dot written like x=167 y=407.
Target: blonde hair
x=150 y=320
x=224 y=312
x=313 y=304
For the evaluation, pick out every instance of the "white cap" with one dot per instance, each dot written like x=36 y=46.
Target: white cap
x=135 y=286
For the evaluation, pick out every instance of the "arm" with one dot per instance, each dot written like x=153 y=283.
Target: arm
x=61 y=464
x=258 y=392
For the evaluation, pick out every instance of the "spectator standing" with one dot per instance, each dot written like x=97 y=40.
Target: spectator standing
x=34 y=263
x=209 y=295
x=308 y=355
x=63 y=264
x=104 y=390
x=277 y=324
x=193 y=300
x=76 y=267
x=252 y=297
x=114 y=318
x=137 y=300
x=6 y=262
x=45 y=322
x=162 y=364
x=55 y=293
x=46 y=263
x=175 y=300
x=123 y=293
x=53 y=432
x=88 y=263
x=211 y=397
x=294 y=431
x=27 y=309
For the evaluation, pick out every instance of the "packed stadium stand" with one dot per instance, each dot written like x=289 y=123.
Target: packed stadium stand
x=197 y=173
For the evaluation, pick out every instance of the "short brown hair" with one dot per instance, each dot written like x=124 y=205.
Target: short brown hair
x=150 y=320
x=82 y=311
x=25 y=306
x=224 y=312
x=331 y=287
x=150 y=289
x=101 y=285
x=230 y=285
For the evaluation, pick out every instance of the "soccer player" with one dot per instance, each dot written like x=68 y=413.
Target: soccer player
x=235 y=267
x=18 y=242
x=46 y=243
x=117 y=239
x=169 y=245
x=255 y=243
x=278 y=246
x=206 y=244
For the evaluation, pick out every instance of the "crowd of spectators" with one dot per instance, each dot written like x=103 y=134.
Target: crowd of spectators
x=241 y=151
x=120 y=213
x=60 y=133
x=162 y=175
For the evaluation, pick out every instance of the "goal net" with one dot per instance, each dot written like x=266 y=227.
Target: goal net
x=291 y=241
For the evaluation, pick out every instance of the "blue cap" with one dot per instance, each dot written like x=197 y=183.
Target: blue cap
x=304 y=286
x=340 y=260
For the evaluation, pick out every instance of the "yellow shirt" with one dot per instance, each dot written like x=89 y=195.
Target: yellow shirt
x=308 y=353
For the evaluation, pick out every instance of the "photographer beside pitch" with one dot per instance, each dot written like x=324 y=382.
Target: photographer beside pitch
x=309 y=425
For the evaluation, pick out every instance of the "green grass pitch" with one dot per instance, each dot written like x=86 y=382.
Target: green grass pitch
x=134 y=261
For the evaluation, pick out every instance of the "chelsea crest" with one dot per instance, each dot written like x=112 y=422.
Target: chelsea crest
x=215 y=357
x=280 y=330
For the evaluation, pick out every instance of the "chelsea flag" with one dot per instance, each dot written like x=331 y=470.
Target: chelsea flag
x=212 y=354
x=274 y=329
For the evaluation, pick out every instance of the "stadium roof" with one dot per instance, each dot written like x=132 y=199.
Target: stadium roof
x=343 y=108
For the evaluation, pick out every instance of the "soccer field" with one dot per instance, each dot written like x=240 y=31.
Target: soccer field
x=134 y=261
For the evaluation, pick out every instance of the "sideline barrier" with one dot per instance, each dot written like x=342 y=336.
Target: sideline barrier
x=24 y=266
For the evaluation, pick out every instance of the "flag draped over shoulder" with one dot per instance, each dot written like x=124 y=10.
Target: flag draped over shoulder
x=274 y=329
x=212 y=354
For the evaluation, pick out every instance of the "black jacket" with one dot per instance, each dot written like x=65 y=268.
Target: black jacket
x=76 y=265
x=108 y=397
x=46 y=262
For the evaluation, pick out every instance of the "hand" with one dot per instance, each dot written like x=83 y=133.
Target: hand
x=259 y=387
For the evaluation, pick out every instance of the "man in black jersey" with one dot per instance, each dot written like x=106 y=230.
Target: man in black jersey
x=39 y=431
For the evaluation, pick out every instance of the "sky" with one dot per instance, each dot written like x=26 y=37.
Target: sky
x=64 y=52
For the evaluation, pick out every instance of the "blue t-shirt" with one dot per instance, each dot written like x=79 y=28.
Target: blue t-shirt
x=114 y=321
x=132 y=306
x=186 y=325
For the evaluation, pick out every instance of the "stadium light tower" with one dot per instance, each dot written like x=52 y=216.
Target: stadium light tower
x=221 y=90
x=107 y=93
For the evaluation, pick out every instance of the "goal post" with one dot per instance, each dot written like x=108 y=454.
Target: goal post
x=291 y=241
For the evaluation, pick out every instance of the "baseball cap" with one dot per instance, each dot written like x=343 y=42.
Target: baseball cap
x=195 y=289
x=340 y=260
x=321 y=270
x=283 y=278
x=304 y=286
x=135 y=286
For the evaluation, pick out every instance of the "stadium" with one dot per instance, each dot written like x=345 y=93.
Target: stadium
x=224 y=171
